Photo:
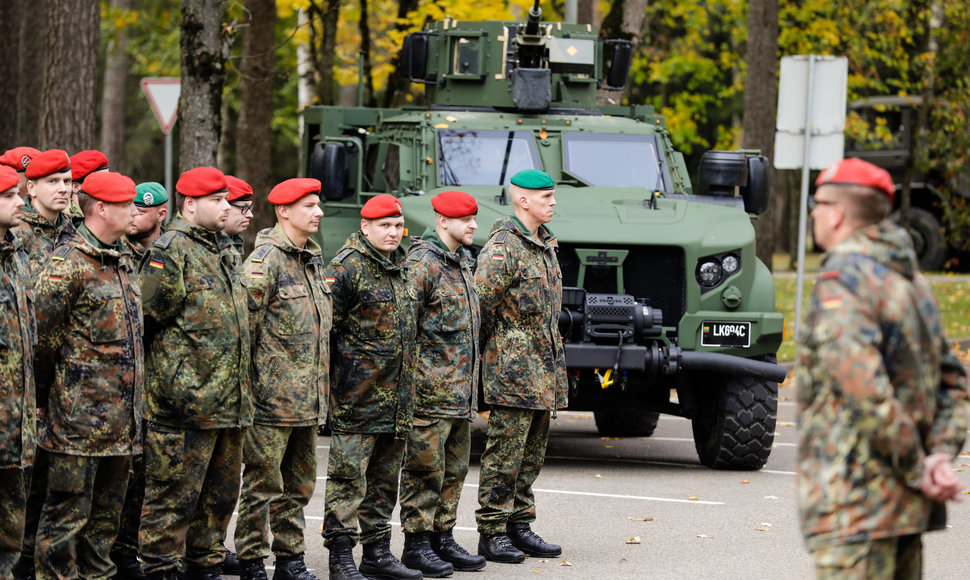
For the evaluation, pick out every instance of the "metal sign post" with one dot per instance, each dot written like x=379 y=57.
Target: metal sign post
x=810 y=126
x=163 y=96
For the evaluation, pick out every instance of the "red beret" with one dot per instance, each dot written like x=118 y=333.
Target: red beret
x=8 y=178
x=48 y=162
x=109 y=186
x=293 y=189
x=19 y=157
x=854 y=171
x=86 y=162
x=381 y=206
x=454 y=204
x=201 y=181
x=238 y=189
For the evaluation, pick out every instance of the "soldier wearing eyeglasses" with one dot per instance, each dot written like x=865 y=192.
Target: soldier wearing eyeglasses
x=240 y=211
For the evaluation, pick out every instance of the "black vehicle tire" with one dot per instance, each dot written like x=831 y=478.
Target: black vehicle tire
x=626 y=422
x=740 y=431
x=927 y=233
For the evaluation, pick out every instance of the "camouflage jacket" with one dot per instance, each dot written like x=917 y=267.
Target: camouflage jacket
x=448 y=320
x=870 y=402
x=196 y=331
x=18 y=336
x=372 y=341
x=39 y=235
x=138 y=251
x=90 y=358
x=289 y=322
x=520 y=289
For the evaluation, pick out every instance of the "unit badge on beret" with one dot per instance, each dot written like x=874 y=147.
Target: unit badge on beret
x=25 y=161
x=148 y=199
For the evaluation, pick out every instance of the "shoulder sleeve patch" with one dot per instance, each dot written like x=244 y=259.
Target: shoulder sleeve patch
x=261 y=252
x=61 y=252
x=342 y=256
x=500 y=237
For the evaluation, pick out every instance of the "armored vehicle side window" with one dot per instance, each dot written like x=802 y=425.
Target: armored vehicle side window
x=484 y=157
x=614 y=160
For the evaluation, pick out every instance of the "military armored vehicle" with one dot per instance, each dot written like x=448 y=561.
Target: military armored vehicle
x=666 y=309
x=927 y=221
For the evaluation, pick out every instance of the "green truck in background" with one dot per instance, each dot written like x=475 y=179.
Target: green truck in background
x=666 y=308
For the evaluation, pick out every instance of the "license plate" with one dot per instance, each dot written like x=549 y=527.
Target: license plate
x=726 y=334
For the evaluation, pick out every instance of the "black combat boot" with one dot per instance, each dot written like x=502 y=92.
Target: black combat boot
x=525 y=539
x=252 y=569
x=342 y=565
x=379 y=563
x=450 y=551
x=230 y=564
x=163 y=575
x=418 y=555
x=498 y=548
x=193 y=572
x=129 y=568
x=292 y=568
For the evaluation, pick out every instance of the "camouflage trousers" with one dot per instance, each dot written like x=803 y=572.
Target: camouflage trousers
x=13 y=500
x=899 y=558
x=278 y=479
x=435 y=466
x=79 y=520
x=514 y=452
x=362 y=483
x=36 y=479
x=126 y=545
x=191 y=487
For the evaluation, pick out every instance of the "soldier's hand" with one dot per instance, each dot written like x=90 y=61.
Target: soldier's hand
x=939 y=483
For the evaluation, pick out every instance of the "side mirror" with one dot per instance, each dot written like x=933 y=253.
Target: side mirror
x=329 y=165
x=413 y=58
x=755 y=193
x=619 y=68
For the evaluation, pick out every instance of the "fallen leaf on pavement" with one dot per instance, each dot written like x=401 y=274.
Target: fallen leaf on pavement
x=565 y=563
x=634 y=540
x=745 y=481
x=785 y=424
x=597 y=476
x=771 y=497
x=692 y=499
x=642 y=519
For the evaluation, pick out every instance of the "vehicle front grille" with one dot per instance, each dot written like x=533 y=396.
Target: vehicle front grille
x=654 y=275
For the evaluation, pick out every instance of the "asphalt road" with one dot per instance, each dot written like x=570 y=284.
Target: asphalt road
x=646 y=508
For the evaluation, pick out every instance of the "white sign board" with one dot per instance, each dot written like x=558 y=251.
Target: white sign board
x=829 y=83
x=163 y=96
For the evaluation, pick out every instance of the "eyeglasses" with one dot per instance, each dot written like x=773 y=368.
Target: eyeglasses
x=813 y=203
x=243 y=209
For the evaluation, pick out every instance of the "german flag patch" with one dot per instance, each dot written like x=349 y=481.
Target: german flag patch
x=256 y=274
x=831 y=303
x=156 y=264
x=498 y=256
x=55 y=278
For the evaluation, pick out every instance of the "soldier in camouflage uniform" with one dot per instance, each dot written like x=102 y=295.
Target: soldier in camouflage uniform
x=150 y=212
x=882 y=406
x=371 y=397
x=49 y=188
x=18 y=159
x=241 y=213
x=446 y=388
x=289 y=318
x=197 y=394
x=523 y=368
x=17 y=338
x=90 y=374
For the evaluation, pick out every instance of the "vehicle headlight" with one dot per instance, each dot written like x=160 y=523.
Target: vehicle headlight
x=730 y=263
x=709 y=273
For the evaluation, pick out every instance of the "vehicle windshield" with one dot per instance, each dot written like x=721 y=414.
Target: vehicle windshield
x=614 y=160
x=485 y=157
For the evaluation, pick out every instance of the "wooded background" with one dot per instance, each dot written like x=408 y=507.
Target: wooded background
x=69 y=76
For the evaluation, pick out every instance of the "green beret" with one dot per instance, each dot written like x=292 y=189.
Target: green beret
x=533 y=179
x=150 y=194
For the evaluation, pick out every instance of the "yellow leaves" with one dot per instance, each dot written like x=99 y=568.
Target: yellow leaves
x=745 y=481
x=634 y=540
x=692 y=499
x=565 y=563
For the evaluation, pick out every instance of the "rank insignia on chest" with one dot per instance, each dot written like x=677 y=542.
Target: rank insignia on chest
x=831 y=303
x=156 y=264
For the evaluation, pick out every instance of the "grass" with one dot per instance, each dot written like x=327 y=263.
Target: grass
x=952 y=295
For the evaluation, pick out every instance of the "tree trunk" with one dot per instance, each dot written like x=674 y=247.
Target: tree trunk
x=625 y=20
x=324 y=37
x=254 y=134
x=203 y=57
x=760 y=103
x=115 y=97
x=73 y=42
x=585 y=12
x=366 y=83
x=32 y=40
x=9 y=46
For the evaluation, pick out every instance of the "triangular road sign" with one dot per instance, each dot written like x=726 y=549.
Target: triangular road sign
x=163 y=96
